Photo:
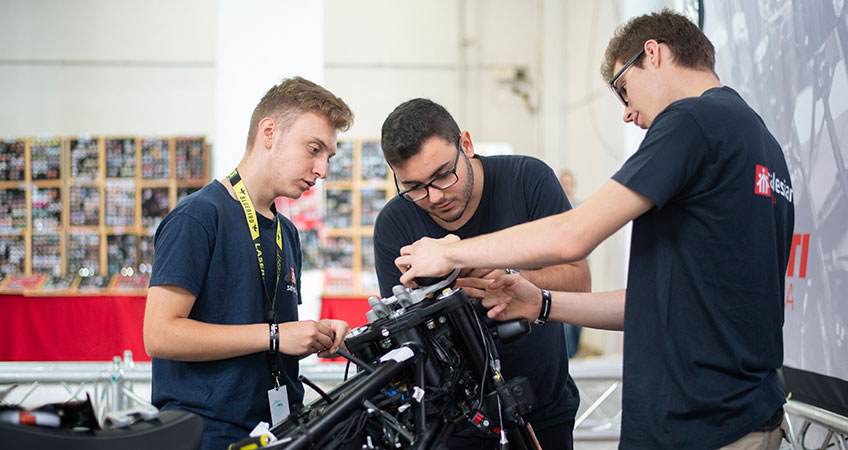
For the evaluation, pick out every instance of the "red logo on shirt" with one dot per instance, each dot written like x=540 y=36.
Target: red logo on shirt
x=762 y=185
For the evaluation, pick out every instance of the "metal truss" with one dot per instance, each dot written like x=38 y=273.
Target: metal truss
x=817 y=421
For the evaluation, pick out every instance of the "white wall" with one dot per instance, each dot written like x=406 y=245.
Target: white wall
x=258 y=44
x=106 y=67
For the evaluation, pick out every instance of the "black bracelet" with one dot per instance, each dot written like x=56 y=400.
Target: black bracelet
x=275 y=338
x=546 y=308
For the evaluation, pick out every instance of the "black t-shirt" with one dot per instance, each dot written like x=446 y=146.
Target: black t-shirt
x=704 y=313
x=204 y=246
x=516 y=189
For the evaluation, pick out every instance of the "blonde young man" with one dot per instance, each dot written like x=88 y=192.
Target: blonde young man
x=221 y=322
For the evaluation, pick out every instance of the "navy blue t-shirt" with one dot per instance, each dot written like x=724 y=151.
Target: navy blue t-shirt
x=204 y=246
x=704 y=312
x=516 y=189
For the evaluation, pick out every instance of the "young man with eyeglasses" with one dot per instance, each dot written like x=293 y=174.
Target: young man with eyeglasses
x=711 y=202
x=444 y=188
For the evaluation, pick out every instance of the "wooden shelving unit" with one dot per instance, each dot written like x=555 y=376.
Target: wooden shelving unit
x=89 y=206
x=358 y=184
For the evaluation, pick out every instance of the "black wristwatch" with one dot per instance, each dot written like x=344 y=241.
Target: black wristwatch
x=546 y=308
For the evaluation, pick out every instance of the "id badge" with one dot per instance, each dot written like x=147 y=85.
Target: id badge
x=278 y=401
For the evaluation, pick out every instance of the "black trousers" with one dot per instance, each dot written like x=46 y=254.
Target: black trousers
x=555 y=437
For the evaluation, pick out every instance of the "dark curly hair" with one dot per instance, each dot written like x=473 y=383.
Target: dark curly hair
x=411 y=124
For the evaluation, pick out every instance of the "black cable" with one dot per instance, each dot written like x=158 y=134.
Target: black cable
x=359 y=362
x=347 y=367
x=315 y=388
x=486 y=362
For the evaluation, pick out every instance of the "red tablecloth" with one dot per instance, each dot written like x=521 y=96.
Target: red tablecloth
x=350 y=309
x=97 y=328
x=71 y=328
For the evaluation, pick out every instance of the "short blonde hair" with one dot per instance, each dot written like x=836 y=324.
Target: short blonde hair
x=293 y=97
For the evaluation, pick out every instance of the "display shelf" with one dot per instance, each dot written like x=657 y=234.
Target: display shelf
x=84 y=154
x=145 y=254
x=12 y=254
x=84 y=254
x=367 y=258
x=155 y=159
x=120 y=203
x=373 y=165
x=84 y=205
x=17 y=284
x=48 y=254
x=129 y=283
x=45 y=155
x=92 y=283
x=155 y=204
x=12 y=160
x=358 y=184
x=341 y=166
x=59 y=284
x=339 y=212
x=120 y=157
x=372 y=200
x=46 y=204
x=13 y=211
x=88 y=207
x=189 y=161
x=368 y=281
x=338 y=281
x=337 y=252
x=122 y=254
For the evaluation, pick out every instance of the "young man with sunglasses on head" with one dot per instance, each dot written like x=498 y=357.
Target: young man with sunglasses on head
x=711 y=202
x=445 y=188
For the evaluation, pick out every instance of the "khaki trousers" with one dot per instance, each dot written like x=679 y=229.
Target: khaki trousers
x=762 y=440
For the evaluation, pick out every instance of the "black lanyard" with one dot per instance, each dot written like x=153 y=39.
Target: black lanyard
x=253 y=225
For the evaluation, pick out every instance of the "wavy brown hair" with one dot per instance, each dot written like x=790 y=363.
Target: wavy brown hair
x=689 y=46
x=293 y=97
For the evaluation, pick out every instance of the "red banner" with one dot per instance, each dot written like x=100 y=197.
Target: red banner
x=71 y=328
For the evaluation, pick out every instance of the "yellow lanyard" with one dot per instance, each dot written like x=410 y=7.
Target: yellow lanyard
x=253 y=225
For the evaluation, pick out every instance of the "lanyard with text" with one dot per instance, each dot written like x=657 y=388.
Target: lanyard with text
x=253 y=225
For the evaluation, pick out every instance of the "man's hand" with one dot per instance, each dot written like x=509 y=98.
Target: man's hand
x=340 y=330
x=519 y=298
x=424 y=258
x=305 y=337
x=475 y=282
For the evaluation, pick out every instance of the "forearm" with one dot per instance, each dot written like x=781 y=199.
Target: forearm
x=525 y=246
x=184 y=339
x=571 y=277
x=603 y=310
x=558 y=239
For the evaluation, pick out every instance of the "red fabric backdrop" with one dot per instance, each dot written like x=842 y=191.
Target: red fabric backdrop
x=350 y=309
x=71 y=328
x=97 y=328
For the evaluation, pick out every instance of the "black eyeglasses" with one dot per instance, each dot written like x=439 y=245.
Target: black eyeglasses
x=621 y=92
x=441 y=182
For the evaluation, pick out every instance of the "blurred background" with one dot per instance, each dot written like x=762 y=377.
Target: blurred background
x=133 y=89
